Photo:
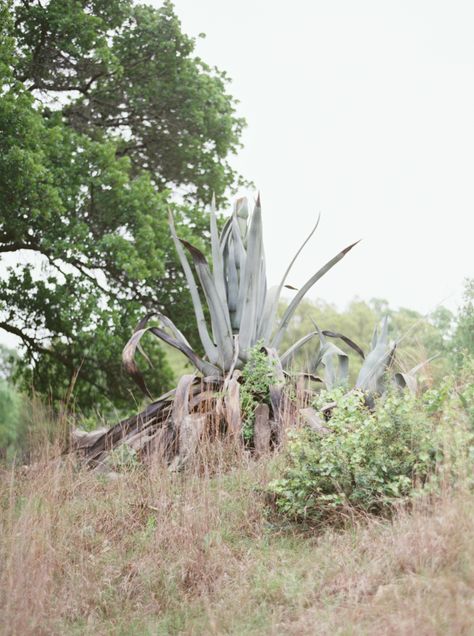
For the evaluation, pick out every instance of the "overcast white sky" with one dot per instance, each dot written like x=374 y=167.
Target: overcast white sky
x=363 y=111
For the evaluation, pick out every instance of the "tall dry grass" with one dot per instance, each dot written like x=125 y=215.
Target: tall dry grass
x=149 y=552
x=83 y=551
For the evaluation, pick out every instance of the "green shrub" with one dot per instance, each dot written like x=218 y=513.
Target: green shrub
x=257 y=376
x=465 y=388
x=27 y=425
x=11 y=431
x=123 y=458
x=366 y=460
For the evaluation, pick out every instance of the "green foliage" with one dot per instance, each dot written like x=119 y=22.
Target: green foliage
x=11 y=430
x=463 y=339
x=465 y=388
x=128 y=71
x=8 y=362
x=123 y=458
x=257 y=377
x=103 y=105
x=452 y=406
x=435 y=399
x=367 y=460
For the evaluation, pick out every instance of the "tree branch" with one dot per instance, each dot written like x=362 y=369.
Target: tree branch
x=14 y=247
x=33 y=345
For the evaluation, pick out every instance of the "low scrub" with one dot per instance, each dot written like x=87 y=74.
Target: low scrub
x=258 y=376
x=368 y=458
x=153 y=552
x=11 y=431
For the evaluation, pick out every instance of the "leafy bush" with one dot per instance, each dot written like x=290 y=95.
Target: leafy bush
x=365 y=459
x=27 y=425
x=257 y=376
x=466 y=388
x=11 y=430
x=463 y=337
x=123 y=458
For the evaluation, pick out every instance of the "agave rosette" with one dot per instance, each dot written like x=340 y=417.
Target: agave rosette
x=241 y=307
x=376 y=370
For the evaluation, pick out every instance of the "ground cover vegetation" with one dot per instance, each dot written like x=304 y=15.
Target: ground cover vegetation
x=205 y=550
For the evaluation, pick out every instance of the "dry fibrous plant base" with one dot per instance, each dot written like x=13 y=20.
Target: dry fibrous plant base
x=158 y=431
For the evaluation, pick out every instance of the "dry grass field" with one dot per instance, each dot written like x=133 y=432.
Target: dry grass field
x=149 y=552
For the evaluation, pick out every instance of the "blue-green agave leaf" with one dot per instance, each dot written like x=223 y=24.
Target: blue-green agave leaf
x=372 y=373
x=302 y=292
x=217 y=258
x=208 y=345
x=290 y=353
x=217 y=304
x=250 y=283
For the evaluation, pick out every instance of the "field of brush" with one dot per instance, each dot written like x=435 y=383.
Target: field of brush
x=360 y=525
x=151 y=552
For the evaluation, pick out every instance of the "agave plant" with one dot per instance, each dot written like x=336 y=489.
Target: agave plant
x=242 y=309
x=374 y=374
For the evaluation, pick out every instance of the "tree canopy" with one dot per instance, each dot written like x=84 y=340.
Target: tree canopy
x=104 y=111
x=129 y=72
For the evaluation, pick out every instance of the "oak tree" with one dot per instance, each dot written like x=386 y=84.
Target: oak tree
x=107 y=119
